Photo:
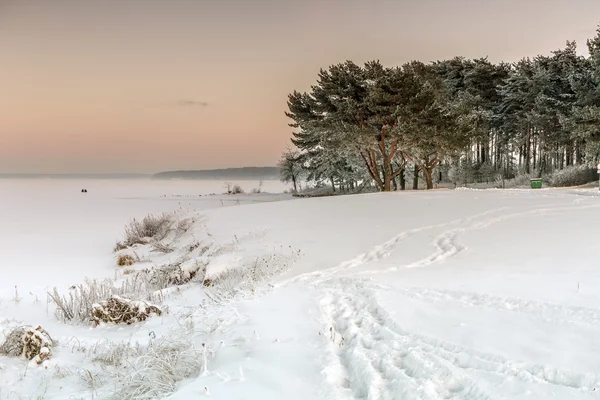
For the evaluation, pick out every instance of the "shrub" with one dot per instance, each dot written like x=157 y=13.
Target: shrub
x=115 y=354
x=520 y=180
x=125 y=260
x=77 y=306
x=146 y=284
x=117 y=310
x=573 y=176
x=158 y=247
x=31 y=343
x=237 y=189
x=175 y=274
x=119 y=246
x=260 y=270
x=156 y=369
x=151 y=227
x=258 y=189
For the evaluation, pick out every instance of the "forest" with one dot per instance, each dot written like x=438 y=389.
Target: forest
x=459 y=120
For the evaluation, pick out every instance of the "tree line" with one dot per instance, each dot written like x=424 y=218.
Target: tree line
x=381 y=125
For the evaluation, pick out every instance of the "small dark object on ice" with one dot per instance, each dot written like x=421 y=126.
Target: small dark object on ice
x=83 y=190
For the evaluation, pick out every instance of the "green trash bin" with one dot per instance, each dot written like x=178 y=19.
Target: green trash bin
x=536 y=183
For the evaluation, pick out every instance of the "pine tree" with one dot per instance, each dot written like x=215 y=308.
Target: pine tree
x=366 y=124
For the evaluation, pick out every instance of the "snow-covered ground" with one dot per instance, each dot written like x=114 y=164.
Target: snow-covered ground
x=465 y=294
x=50 y=227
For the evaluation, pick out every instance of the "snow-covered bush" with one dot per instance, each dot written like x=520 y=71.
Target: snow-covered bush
x=119 y=246
x=488 y=173
x=117 y=310
x=233 y=189
x=32 y=343
x=573 y=176
x=247 y=276
x=158 y=247
x=146 y=285
x=151 y=227
x=236 y=189
x=125 y=260
x=520 y=180
x=155 y=372
x=175 y=274
x=461 y=172
x=115 y=354
x=77 y=306
x=464 y=172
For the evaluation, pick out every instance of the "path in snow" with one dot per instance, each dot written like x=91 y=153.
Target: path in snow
x=377 y=359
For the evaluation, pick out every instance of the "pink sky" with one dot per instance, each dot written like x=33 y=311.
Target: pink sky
x=91 y=86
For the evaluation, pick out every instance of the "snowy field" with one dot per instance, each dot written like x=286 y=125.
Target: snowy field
x=465 y=294
x=50 y=227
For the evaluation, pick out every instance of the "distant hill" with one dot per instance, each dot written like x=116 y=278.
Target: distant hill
x=247 y=173
x=74 y=176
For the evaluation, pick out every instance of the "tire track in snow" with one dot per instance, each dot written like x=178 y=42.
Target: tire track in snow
x=548 y=312
x=383 y=361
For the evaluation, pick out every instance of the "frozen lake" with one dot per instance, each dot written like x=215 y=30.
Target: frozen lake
x=48 y=224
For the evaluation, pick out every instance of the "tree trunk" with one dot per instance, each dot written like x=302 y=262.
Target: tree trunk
x=534 y=153
x=294 y=182
x=528 y=152
x=372 y=166
x=416 y=178
x=387 y=155
x=387 y=175
x=520 y=157
x=402 y=180
x=332 y=184
x=428 y=177
x=483 y=153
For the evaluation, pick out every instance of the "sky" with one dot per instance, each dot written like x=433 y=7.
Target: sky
x=105 y=86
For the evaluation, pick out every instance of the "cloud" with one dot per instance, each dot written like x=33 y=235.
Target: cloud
x=192 y=103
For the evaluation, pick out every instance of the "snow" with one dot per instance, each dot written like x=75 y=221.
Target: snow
x=48 y=225
x=463 y=294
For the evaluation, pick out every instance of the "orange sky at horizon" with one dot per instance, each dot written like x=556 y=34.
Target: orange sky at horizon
x=100 y=86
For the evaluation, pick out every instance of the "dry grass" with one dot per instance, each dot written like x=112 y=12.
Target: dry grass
x=151 y=227
x=155 y=371
x=31 y=343
x=125 y=260
x=119 y=246
x=77 y=306
x=158 y=247
x=117 y=310
x=174 y=275
x=145 y=284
